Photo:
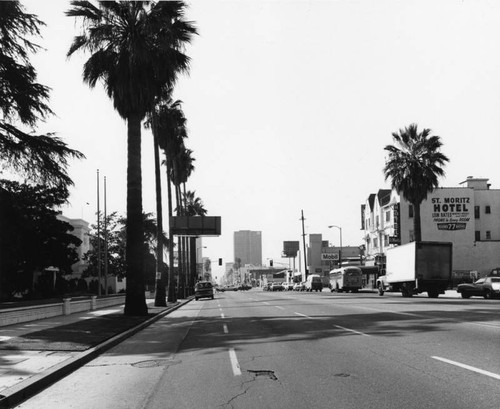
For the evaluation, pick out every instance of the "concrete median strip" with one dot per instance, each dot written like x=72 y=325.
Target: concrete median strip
x=34 y=384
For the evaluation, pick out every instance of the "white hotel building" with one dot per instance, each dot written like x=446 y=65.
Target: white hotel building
x=468 y=216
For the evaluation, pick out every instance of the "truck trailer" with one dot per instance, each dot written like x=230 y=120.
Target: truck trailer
x=418 y=267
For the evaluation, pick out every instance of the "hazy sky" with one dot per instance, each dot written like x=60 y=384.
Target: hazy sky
x=289 y=106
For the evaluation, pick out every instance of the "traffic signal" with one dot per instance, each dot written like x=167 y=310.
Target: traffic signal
x=270 y=263
x=220 y=262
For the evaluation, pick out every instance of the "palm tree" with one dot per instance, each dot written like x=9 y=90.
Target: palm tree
x=182 y=169
x=41 y=159
x=170 y=126
x=414 y=165
x=136 y=52
x=193 y=206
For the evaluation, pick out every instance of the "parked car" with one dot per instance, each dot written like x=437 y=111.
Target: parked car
x=244 y=287
x=288 y=286
x=487 y=287
x=277 y=287
x=494 y=273
x=267 y=287
x=228 y=288
x=314 y=283
x=299 y=286
x=203 y=289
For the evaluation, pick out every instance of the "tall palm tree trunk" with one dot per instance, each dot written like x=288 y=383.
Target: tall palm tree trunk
x=171 y=284
x=417 y=227
x=192 y=262
x=180 y=282
x=160 y=293
x=135 y=299
x=189 y=258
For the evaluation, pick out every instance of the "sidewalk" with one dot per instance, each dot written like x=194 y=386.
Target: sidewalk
x=37 y=353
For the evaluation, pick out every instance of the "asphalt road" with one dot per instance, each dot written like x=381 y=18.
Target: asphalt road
x=299 y=350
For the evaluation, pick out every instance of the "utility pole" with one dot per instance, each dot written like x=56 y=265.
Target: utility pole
x=98 y=240
x=304 y=244
x=105 y=242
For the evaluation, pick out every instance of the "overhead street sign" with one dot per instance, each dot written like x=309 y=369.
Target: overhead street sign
x=195 y=225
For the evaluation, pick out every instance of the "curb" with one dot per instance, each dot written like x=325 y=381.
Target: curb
x=31 y=386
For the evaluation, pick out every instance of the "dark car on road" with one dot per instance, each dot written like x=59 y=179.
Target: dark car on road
x=277 y=287
x=203 y=289
x=487 y=287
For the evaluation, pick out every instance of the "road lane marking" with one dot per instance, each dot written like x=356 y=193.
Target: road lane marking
x=482 y=324
x=222 y=315
x=468 y=367
x=265 y=302
x=224 y=327
x=351 y=330
x=301 y=315
x=389 y=312
x=279 y=308
x=234 y=362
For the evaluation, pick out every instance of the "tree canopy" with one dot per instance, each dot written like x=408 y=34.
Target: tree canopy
x=414 y=166
x=32 y=238
x=23 y=102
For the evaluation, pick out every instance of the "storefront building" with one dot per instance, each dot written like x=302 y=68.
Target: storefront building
x=467 y=216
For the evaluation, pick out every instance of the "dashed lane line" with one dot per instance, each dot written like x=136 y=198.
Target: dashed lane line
x=234 y=362
x=336 y=326
x=351 y=330
x=468 y=367
x=224 y=327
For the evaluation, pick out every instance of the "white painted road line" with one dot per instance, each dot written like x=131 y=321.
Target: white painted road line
x=234 y=362
x=224 y=327
x=301 y=315
x=483 y=324
x=222 y=315
x=265 y=302
x=468 y=367
x=279 y=308
x=351 y=330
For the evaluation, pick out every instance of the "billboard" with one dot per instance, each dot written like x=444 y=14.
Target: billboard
x=290 y=248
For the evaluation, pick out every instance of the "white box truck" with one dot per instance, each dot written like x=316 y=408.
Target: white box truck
x=418 y=267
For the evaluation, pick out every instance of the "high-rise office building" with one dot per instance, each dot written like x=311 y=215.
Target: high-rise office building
x=248 y=247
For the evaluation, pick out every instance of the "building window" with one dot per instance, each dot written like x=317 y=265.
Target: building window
x=487 y=209
x=375 y=242
x=377 y=225
x=410 y=211
x=386 y=240
x=476 y=212
x=412 y=236
x=488 y=235
x=388 y=216
x=478 y=235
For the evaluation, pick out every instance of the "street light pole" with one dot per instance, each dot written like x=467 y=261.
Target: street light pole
x=304 y=245
x=98 y=240
x=340 y=251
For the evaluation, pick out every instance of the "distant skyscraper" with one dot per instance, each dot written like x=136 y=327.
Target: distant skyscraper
x=248 y=247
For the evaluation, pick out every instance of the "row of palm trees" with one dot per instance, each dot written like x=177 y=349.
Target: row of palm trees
x=137 y=51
